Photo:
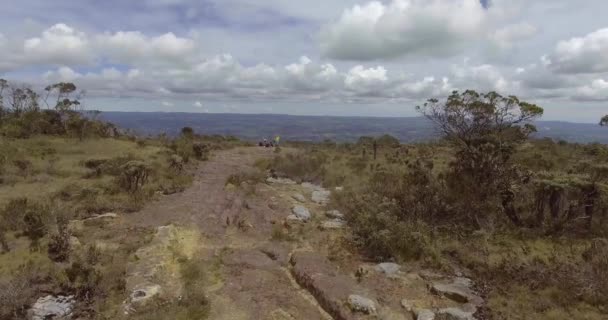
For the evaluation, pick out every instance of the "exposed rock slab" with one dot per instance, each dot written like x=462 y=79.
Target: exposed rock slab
x=453 y=314
x=320 y=196
x=331 y=289
x=458 y=290
x=333 y=224
x=334 y=214
x=52 y=308
x=155 y=273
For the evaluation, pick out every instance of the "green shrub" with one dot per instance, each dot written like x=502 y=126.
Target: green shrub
x=13 y=213
x=35 y=221
x=18 y=292
x=133 y=176
x=83 y=279
x=184 y=148
x=59 y=242
x=201 y=151
x=176 y=163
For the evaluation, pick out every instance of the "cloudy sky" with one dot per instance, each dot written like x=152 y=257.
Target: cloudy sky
x=338 y=57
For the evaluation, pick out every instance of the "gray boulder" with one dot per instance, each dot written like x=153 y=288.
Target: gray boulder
x=299 y=197
x=358 y=303
x=459 y=290
x=424 y=314
x=50 y=307
x=388 y=268
x=301 y=213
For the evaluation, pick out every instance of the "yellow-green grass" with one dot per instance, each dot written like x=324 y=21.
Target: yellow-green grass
x=57 y=163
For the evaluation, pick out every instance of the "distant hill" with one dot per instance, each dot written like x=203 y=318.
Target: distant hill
x=318 y=128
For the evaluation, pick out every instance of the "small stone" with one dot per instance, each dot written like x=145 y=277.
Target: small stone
x=299 y=197
x=311 y=186
x=387 y=268
x=320 y=196
x=51 y=307
x=361 y=304
x=301 y=212
x=332 y=224
x=142 y=295
x=339 y=189
x=281 y=181
x=292 y=218
x=424 y=314
x=453 y=314
x=334 y=214
x=407 y=305
x=430 y=275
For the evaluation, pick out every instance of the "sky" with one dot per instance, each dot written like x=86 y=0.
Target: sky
x=313 y=57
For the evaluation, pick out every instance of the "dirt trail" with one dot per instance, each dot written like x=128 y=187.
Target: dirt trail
x=245 y=282
x=251 y=276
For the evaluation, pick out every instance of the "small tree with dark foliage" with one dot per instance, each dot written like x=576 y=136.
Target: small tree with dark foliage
x=484 y=130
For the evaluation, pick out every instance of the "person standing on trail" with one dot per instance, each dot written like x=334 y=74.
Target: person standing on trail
x=276 y=140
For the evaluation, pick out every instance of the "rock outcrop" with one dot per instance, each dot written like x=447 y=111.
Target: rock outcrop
x=52 y=308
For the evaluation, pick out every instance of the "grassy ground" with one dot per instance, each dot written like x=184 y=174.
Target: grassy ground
x=524 y=274
x=64 y=177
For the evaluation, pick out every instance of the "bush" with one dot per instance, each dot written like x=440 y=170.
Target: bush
x=13 y=213
x=133 y=176
x=597 y=280
x=176 y=163
x=83 y=278
x=201 y=151
x=24 y=166
x=184 y=148
x=35 y=224
x=18 y=292
x=59 y=243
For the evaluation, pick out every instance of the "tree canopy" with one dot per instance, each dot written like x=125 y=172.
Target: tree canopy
x=466 y=118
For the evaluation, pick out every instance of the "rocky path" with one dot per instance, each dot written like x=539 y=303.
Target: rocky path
x=271 y=251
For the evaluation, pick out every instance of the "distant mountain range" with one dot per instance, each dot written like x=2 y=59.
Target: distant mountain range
x=318 y=128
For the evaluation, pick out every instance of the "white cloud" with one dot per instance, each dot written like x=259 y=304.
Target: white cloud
x=134 y=46
x=59 y=44
x=509 y=35
x=198 y=104
x=403 y=27
x=588 y=54
x=365 y=80
x=596 y=91
x=167 y=104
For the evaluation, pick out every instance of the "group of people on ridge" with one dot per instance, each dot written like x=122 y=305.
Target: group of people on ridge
x=270 y=143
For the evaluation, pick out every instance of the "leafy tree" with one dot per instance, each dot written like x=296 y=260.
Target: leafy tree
x=187 y=132
x=484 y=130
x=604 y=121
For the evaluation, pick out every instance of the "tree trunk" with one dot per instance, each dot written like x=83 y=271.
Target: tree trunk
x=507 y=204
